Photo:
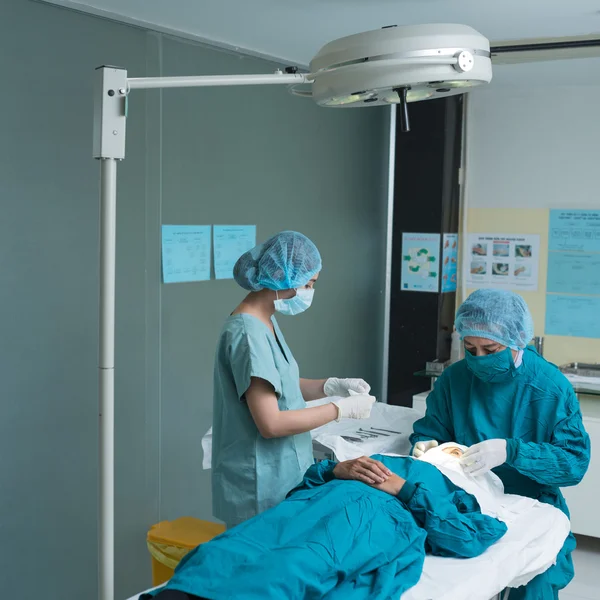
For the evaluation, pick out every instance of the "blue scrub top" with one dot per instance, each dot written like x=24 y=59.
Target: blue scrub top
x=536 y=411
x=250 y=474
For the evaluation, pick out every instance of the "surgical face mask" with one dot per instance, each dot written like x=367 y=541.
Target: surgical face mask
x=493 y=368
x=296 y=305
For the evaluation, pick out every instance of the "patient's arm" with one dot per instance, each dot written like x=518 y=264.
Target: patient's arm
x=362 y=469
x=453 y=521
x=454 y=524
x=392 y=486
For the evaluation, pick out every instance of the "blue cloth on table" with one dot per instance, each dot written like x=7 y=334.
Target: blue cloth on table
x=332 y=539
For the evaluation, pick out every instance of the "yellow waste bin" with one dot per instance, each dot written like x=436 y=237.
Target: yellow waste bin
x=169 y=541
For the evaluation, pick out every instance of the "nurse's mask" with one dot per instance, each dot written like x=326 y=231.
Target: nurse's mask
x=295 y=305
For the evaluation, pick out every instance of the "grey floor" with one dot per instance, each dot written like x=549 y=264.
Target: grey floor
x=586 y=585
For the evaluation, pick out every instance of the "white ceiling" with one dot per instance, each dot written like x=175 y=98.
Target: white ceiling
x=295 y=30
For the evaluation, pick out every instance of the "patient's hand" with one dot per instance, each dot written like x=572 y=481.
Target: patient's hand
x=392 y=485
x=367 y=470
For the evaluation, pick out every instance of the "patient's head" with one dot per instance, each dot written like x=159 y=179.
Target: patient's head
x=452 y=450
x=448 y=453
x=446 y=457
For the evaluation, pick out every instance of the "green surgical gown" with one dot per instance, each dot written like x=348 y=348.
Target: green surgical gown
x=537 y=412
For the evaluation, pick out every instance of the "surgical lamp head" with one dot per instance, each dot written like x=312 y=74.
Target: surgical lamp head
x=398 y=65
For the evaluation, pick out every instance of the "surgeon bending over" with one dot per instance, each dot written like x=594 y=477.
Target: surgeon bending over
x=516 y=411
x=261 y=444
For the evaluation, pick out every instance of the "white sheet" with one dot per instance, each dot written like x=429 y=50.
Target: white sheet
x=529 y=547
x=383 y=416
x=384 y=420
x=536 y=533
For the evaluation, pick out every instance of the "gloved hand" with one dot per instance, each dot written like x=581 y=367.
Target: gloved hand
x=342 y=387
x=422 y=447
x=483 y=457
x=355 y=407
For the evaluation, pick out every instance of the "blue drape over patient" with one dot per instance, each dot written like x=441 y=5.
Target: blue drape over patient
x=337 y=539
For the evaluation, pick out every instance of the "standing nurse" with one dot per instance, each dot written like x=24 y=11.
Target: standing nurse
x=517 y=412
x=261 y=444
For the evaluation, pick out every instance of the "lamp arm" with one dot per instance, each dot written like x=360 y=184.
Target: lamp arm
x=277 y=78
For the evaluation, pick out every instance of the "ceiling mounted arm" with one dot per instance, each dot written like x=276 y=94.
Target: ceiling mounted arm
x=277 y=78
x=544 y=49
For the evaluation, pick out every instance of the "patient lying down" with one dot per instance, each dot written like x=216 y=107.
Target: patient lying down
x=356 y=529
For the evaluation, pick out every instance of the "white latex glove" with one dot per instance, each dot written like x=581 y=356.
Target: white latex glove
x=422 y=447
x=342 y=387
x=357 y=406
x=483 y=457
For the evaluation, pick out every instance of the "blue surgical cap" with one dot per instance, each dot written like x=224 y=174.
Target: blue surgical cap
x=496 y=315
x=288 y=260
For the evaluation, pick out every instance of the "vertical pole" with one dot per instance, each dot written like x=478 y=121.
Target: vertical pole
x=110 y=119
x=108 y=205
x=388 y=254
x=464 y=203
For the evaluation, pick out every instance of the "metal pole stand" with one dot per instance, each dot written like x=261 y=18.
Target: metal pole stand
x=110 y=98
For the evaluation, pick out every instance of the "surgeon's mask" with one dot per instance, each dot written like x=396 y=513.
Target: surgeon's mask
x=296 y=305
x=493 y=368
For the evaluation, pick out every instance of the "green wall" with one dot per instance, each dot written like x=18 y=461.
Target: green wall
x=249 y=156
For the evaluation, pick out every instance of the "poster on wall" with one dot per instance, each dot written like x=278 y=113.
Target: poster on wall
x=573 y=273
x=449 y=262
x=230 y=242
x=573 y=316
x=503 y=261
x=420 y=262
x=574 y=230
x=573 y=283
x=185 y=253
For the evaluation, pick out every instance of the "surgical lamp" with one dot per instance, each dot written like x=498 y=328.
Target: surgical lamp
x=393 y=65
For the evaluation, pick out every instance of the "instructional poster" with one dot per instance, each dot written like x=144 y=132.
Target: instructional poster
x=573 y=273
x=449 y=262
x=420 y=262
x=574 y=230
x=573 y=316
x=185 y=253
x=573 y=284
x=503 y=261
x=230 y=242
